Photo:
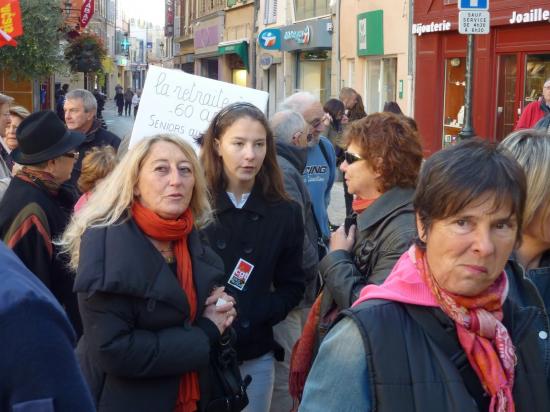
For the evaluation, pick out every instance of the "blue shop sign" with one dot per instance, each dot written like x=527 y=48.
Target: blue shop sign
x=270 y=39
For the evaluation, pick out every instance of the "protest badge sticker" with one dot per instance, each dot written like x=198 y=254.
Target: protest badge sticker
x=175 y=102
x=240 y=274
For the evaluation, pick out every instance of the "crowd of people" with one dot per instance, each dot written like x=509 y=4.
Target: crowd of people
x=160 y=279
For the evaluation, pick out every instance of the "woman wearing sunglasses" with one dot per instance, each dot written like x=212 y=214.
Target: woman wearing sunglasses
x=381 y=164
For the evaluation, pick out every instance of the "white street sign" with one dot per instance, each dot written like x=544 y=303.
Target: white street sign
x=474 y=22
x=473 y=4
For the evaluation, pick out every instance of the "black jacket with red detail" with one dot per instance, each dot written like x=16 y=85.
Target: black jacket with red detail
x=269 y=236
x=30 y=217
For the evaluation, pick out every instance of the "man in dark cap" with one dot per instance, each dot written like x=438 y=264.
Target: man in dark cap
x=36 y=208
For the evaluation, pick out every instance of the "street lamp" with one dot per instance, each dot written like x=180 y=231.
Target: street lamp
x=69 y=8
x=71 y=20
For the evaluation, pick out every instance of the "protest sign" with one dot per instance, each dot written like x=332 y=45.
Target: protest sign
x=179 y=103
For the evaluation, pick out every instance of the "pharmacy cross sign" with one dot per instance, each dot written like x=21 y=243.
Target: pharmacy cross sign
x=473 y=5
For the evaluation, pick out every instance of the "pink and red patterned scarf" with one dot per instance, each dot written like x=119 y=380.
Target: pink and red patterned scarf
x=478 y=320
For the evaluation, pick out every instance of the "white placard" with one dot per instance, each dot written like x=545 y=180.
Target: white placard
x=474 y=22
x=180 y=103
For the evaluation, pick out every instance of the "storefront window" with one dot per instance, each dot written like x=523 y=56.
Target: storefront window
x=537 y=70
x=453 y=112
x=381 y=80
x=506 y=95
x=209 y=68
x=238 y=76
x=306 y=9
x=314 y=73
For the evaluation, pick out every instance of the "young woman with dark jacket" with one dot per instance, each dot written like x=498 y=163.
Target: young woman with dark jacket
x=147 y=283
x=259 y=234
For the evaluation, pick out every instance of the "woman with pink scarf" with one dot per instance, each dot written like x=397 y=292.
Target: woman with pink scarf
x=440 y=334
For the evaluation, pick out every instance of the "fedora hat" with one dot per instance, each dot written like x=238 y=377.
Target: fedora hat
x=42 y=137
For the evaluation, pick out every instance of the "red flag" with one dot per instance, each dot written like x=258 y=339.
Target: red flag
x=10 y=22
x=86 y=13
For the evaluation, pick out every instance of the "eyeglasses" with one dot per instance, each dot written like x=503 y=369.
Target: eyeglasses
x=74 y=155
x=315 y=123
x=351 y=157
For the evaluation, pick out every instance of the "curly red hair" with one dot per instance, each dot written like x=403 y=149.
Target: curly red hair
x=388 y=137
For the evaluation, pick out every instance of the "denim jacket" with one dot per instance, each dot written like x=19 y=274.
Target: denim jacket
x=532 y=288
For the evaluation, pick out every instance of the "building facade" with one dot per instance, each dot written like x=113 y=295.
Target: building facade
x=510 y=66
x=295 y=45
x=374 y=55
x=237 y=48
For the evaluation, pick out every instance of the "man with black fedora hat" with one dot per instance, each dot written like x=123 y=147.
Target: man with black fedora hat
x=36 y=208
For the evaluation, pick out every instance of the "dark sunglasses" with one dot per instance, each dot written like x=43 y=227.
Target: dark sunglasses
x=351 y=157
x=73 y=155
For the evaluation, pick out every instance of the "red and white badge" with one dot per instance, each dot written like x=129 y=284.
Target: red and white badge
x=240 y=274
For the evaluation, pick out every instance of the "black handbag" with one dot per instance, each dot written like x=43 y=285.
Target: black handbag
x=227 y=387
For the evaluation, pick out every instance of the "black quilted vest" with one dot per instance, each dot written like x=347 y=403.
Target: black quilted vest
x=409 y=372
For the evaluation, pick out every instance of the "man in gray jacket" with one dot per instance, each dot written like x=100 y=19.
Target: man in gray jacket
x=290 y=131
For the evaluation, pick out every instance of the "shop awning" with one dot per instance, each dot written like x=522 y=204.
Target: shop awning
x=240 y=48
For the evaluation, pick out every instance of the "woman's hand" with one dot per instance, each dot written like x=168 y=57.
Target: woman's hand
x=340 y=241
x=220 y=309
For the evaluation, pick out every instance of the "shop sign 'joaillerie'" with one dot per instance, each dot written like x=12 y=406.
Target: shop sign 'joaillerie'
x=179 y=103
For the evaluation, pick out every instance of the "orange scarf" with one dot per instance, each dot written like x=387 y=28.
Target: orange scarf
x=359 y=205
x=176 y=230
x=481 y=334
x=301 y=358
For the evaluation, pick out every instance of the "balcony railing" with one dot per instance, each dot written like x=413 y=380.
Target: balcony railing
x=210 y=6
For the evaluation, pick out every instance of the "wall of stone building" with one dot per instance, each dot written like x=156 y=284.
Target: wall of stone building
x=239 y=22
x=396 y=35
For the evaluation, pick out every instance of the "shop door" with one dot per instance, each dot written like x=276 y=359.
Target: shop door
x=521 y=77
x=507 y=95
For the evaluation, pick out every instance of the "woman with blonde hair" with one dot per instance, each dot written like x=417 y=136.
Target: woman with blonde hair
x=528 y=268
x=147 y=283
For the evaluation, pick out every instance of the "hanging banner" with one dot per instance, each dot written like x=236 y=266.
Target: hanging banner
x=169 y=18
x=86 y=13
x=183 y=104
x=10 y=22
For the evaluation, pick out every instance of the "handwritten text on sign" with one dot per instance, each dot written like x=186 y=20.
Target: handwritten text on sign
x=179 y=103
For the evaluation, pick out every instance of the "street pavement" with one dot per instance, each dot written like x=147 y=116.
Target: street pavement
x=122 y=127
x=119 y=125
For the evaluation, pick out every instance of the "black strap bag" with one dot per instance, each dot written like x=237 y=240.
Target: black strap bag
x=227 y=387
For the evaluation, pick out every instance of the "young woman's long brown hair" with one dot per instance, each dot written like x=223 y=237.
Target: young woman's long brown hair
x=269 y=178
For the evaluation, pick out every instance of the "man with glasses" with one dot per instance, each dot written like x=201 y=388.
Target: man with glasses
x=320 y=169
x=36 y=207
x=536 y=110
x=290 y=132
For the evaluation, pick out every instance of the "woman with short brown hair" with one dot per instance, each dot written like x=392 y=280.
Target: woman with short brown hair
x=441 y=333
